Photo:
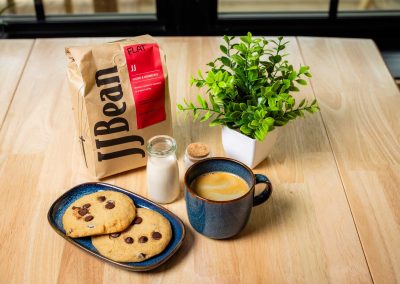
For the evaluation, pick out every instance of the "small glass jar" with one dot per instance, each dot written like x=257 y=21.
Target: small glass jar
x=162 y=169
x=196 y=152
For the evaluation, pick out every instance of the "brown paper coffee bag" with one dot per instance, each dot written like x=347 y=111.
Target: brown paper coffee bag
x=120 y=99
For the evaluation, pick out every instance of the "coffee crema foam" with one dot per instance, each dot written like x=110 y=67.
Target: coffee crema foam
x=219 y=186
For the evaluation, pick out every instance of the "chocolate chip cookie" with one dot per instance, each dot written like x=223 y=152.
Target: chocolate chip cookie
x=99 y=213
x=148 y=235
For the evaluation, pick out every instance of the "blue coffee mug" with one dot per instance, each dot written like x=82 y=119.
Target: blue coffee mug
x=223 y=219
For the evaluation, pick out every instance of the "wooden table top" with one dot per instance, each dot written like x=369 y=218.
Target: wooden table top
x=333 y=217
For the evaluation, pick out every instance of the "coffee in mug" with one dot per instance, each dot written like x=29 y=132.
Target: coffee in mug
x=219 y=186
x=222 y=179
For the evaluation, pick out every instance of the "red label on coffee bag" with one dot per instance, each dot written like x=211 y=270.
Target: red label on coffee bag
x=147 y=81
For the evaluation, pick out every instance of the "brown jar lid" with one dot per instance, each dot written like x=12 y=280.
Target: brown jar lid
x=197 y=150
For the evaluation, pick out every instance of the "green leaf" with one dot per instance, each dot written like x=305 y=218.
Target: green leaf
x=259 y=135
x=275 y=58
x=236 y=107
x=314 y=109
x=223 y=49
x=202 y=102
x=200 y=83
x=238 y=59
x=245 y=130
x=180 y=107
x=226 y=39
x=255 y=67
x=206 y=116
x=281 y=47
x=257 y=114
x=240 y=48
x=276 y=86
x=286 y=82
x=219 y=76
x=292 y=75
x=253 y=75
x=303 y=69
x=280 y=122
x=215 y=122
x=254 y=123
x=301 y=82
x=236 y=115
x=271 y=102
x=264 y=127
x=290 y=115
x=210 y=78
x=252 y=127
x=215 y=106
x=222 y=84
x=246 y=39
x=226 y=61
x=302 y=102
x=269 y=120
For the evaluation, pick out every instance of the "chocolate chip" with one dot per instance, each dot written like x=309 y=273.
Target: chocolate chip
x=83 y=211
x=110 y=205
x=137 y=220
x=115 y=235
x=90 y=226
x=87 y=205
x=89 y=218
x=101 y=198
x=141 y=255
x=156 y=235
x=143 y=239
x=129 y=240
x=74 y=207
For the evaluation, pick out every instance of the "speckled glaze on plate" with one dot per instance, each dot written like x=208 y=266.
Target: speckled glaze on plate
x=58 y=208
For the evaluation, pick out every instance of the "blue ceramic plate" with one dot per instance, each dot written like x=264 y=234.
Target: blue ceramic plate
x=58 y=208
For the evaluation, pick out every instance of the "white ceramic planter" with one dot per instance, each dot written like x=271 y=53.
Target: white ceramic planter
x=245 y=149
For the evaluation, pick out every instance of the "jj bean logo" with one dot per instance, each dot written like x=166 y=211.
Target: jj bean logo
x=113 y=108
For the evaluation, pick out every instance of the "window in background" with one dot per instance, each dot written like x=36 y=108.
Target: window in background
x=18 y=7
x=231 y=6
x=369 y=5
x=63 y=7
x=57 y=7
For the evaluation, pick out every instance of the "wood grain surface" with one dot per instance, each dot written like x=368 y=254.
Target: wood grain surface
x=14 y=54
x=359 y=104
x=304 y=234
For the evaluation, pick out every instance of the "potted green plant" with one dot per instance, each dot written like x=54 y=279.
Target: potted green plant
x=249 y=89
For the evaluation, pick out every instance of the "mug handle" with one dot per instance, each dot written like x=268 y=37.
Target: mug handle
x=266 y=193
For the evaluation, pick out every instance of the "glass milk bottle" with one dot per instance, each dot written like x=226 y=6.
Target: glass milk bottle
x=162 y=169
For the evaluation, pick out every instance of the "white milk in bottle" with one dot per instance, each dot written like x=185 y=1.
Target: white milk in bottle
x=162 y=169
